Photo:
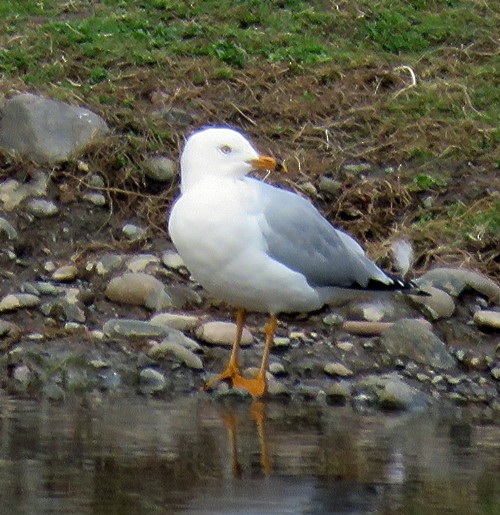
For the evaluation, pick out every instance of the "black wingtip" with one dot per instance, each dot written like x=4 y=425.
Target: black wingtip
x=398 y=284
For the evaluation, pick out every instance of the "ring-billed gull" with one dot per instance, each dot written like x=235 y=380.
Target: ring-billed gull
x=256 y=246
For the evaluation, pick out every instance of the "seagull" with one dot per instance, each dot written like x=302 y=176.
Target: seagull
x=259 y=247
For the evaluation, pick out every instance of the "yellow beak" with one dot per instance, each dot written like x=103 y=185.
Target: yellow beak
x=269 y=163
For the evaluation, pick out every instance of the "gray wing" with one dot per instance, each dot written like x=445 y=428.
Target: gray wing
x=299 y=237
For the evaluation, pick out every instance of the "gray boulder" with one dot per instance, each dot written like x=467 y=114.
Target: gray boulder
x=413 y=340
x=47 y=130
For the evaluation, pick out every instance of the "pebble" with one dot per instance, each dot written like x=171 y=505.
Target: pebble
x=42 y=208
x=65 y=273
x=132 y=328
x=49 y=266
x=366 y=328
x=297 y=335
x=73 y=327
x=333 y=320
x=141 y=262
x=98 y=199
x=133 y=232
x=96 y=180
x=456 y=280
x=411 y=339
x=139 y=289
x=109 y=263
x=277 y=369
x=14 y=301
x=12 y=193
x=46 y=288
x=160 y=169
x=169 y=348
x=282 y=342
x=495 y=373
x=337 y=369
x=438 y=304
x=152 y=381
x=23 y=374
x=172 y=260
x=391 y=392
x=487 y=319
x=175 y=321
x=222 y=333
x=372 y=312
x=345 y=346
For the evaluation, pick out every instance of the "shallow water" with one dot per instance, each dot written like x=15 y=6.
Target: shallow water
x=196 y=456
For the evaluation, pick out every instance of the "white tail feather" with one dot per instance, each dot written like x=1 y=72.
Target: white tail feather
x=403 y=255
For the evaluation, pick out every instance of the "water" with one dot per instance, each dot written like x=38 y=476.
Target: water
x=195 y=456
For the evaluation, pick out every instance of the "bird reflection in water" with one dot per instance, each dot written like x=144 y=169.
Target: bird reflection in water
x=256 y=412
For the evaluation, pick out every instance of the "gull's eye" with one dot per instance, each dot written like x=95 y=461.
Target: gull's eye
x=225 y=149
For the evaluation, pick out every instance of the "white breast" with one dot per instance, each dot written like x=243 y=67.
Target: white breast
x=215 y=227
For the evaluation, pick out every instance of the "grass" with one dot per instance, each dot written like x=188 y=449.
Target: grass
x=410 y=85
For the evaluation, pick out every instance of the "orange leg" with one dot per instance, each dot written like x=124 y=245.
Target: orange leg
x=233 y=367
x=257 y=386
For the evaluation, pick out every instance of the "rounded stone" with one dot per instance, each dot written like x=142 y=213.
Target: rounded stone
x=65 y=273
x=98 y=199
x=42 y=208
x=175 y=321
x=277 y=369
x=132 y=328
x=281 y=342
x=487 y=319
x=15 y=301
x=456 y=280
x=160 y=169
x=108 y=263
x=438 y=304
x=413 y=340
x=222 y=333
x=141 y=262
x=172 y=260
x=133 y=232
x=178 y=351
x=337 y=369
x=133 y=288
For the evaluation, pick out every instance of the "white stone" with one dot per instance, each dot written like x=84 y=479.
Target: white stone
x=487 y=318
x=65 y=273
x=222 y=333
x=337 y=369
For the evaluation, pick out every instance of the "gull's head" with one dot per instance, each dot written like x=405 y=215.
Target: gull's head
x=220 y=152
